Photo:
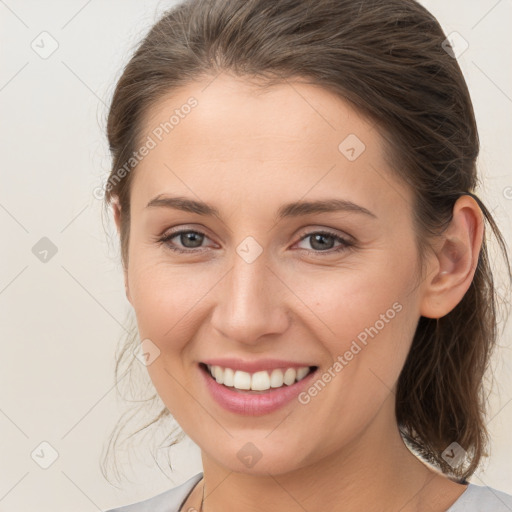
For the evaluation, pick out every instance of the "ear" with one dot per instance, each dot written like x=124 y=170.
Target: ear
x=116 y=209
x=454 y=261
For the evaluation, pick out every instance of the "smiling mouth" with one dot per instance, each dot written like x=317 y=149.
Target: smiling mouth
x=261 y=382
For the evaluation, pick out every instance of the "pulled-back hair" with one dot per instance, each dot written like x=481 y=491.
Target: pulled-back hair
x=389 y=59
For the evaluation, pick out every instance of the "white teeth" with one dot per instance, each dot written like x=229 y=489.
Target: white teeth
x=276 y=379
x=218 y=374
x=258 y=381
x=289 y=376
x=229 y=377
x=242 y=380
x=302 y=372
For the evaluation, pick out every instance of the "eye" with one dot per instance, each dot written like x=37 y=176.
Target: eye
x=188 y=239
x=323 y=241
x=191 y=241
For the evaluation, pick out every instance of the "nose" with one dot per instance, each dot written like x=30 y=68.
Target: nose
x=250 y=302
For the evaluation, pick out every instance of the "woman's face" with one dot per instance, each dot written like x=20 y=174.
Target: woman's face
x=264 y=278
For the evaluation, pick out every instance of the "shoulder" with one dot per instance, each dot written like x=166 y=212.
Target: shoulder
x=478 y=498
x=168 y=501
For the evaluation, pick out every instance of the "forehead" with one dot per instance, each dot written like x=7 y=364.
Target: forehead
x=227 y=136
x=272 y=115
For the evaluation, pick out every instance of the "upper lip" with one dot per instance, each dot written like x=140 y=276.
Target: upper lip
x=254 y=366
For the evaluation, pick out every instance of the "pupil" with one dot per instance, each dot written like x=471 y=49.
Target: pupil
x=195 y=238
x=321 y=246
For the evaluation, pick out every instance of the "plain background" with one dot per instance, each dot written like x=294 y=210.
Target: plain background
x=62 y=319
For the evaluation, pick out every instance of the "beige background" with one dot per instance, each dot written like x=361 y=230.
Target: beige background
x=61 y=320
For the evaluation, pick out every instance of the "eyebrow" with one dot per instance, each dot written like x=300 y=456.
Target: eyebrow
x=295 y=209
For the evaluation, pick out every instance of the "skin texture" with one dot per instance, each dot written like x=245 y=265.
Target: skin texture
x=247 y=153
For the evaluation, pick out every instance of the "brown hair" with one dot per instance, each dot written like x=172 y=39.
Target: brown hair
x=388 y=59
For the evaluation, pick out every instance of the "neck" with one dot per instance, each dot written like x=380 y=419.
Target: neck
x=374 y=472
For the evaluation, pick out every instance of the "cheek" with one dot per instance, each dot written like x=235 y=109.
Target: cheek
x=365 y=322
x=365 y=316
x=167 y=298
x=348 y=300
x=167 y=302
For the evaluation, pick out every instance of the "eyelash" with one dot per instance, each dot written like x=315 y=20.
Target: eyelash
x=344 y=243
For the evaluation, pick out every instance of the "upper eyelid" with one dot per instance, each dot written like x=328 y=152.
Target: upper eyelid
x=204 y=230
x=179 y=231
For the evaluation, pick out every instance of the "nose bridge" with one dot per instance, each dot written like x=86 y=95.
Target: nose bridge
x=249 y=305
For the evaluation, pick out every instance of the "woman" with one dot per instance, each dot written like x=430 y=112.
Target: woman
x=293 y=186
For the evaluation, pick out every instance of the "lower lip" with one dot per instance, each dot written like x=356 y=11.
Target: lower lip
x=253 y=404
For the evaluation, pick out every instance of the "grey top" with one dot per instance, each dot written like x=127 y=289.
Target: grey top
x=475 y=498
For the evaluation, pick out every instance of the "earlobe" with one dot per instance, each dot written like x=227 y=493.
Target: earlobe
x=116 y=210
x=455 y=259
